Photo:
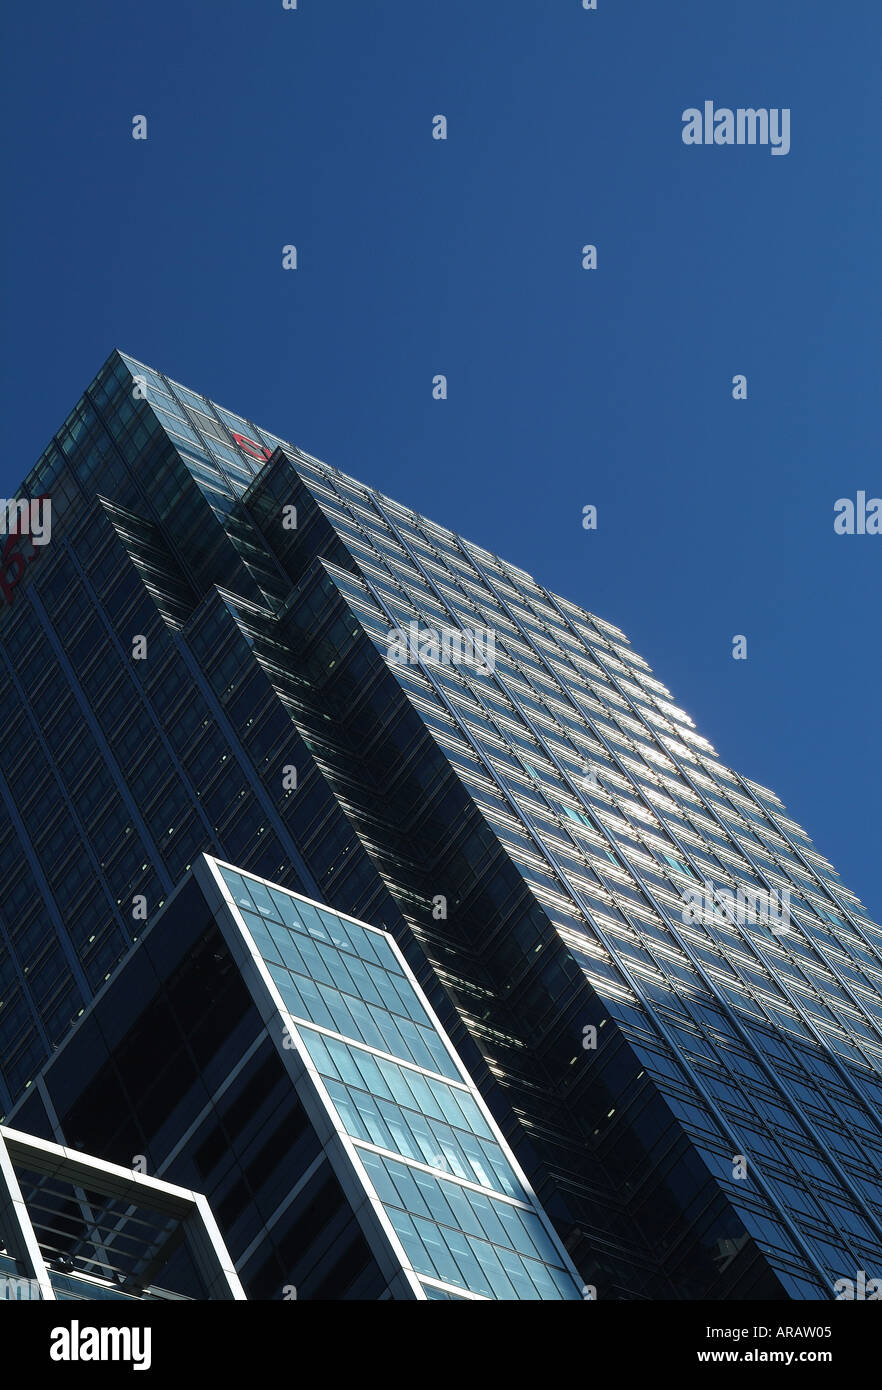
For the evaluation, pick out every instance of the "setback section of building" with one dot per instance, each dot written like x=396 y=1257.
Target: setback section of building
x=285 y=1055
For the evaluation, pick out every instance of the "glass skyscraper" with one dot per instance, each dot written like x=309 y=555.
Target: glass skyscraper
x=666 y=996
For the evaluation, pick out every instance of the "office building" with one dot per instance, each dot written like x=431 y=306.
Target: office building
x=666 y=996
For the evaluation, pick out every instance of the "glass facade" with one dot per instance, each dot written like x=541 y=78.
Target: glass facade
x=431 y=1153
x=667 y=997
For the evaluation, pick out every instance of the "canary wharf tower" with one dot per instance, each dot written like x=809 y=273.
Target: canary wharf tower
x=667 y=998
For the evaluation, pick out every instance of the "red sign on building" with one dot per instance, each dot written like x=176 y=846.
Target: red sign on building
x=249 y=446
x=17 y=551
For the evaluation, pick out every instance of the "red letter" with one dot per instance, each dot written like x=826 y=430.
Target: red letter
x=254 y=450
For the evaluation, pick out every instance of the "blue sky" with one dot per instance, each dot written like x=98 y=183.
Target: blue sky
x=566 y=387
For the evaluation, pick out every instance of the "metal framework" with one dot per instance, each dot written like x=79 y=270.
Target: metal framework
x=73 y=1226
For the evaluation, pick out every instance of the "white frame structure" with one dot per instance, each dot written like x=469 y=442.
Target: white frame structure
x=190 y=1209
x=343 y=1152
